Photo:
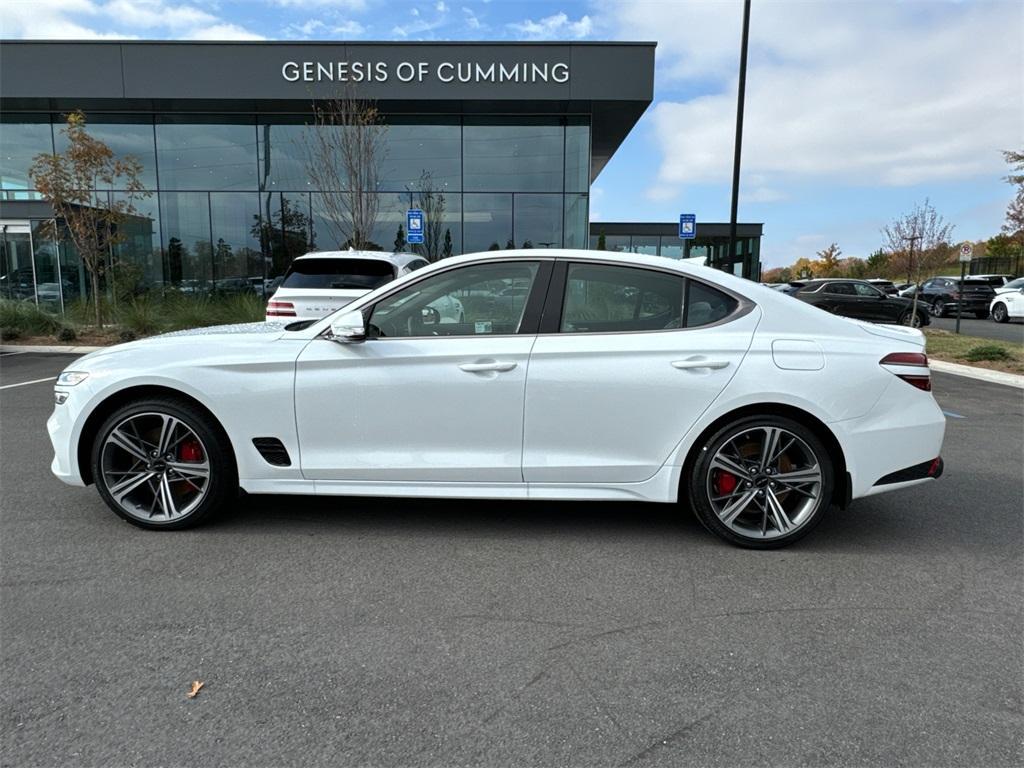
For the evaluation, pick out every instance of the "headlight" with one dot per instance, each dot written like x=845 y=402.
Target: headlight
x=71 y=378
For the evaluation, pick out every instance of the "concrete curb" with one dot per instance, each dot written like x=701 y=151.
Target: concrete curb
x=4 y=348
x=982 y=374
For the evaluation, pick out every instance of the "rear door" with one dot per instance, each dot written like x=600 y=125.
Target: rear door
x=873 y=305
x=631 y=357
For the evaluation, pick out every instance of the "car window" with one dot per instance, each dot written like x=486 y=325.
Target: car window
x=1015 y=284
x=417 y=264
x=842 y=289
x=365 y=274
x=602 y=298
x=705 y=305
x=467 y=301
x=866 y=291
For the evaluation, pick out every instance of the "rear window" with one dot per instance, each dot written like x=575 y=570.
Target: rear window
x=365 y=274
x=996 y=282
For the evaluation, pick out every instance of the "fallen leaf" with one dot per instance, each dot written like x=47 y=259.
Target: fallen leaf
x=196 y=686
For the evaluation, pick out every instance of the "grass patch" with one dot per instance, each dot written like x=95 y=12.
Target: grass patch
x=971 y=350
x=19 y=319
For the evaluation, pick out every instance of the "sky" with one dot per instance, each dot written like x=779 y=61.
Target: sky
x=856 y=109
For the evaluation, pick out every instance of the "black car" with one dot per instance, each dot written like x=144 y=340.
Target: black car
x=860 y=300
x=942 y=295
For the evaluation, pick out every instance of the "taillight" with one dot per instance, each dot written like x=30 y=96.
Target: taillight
x=280 y=309
x=908 y=366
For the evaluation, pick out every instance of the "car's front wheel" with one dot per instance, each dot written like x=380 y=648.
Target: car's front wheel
x=161 y=463
x=999 y=313
x=911 y=318
x=761 y=482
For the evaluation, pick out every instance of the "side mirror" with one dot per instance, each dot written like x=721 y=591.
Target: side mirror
x=348 y=328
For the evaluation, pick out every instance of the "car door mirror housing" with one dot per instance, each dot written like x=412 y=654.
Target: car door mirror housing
x=348 y=328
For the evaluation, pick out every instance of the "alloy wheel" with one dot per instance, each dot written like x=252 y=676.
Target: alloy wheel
x=764 y=482
x=938 y=308
x=155 y=467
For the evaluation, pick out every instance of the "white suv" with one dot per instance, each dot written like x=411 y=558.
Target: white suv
x=321 y=282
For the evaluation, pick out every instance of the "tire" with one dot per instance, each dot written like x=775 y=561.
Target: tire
x=198 y=483
x=911 y=318
x=1000 y=313
x=938 y=308
x=804 y=503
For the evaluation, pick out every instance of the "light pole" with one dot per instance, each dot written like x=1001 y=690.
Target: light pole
x=740 y=95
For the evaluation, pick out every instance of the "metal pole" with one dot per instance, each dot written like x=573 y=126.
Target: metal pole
x=960 y=298
x=739 y=133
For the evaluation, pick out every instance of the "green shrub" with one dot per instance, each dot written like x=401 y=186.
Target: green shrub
x=125 y=336
x=240 y=308
x=66 y=334
x=987 y=352
x=28 y=319
x=9 y=334
x=142 y=315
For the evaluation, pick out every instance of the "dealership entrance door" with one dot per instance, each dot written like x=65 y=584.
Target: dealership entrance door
x=29 y=267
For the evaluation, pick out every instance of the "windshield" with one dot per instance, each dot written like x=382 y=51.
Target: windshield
x=362 y=274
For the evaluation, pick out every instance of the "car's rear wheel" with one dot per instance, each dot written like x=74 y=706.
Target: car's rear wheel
x=761 y=482
x=160 y=463
x=939 y=308
x=999 y=313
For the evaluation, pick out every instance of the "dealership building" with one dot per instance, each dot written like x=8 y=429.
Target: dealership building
x=508 y=137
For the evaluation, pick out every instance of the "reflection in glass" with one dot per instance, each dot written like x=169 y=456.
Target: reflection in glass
x=513 y=158
x=186 y=236
x=49 y=293
x=283 y=154
x=577 y=158
x=645 y=244
x=220 y=154
x=671 y=247
x=22 y=137
x=415 y=149
x=124 y=135
x=237 y=259
x=487 y=222
x=284 y=231
x=16 y=278
x=538 y=221
x=137 y=263
x=575 y=228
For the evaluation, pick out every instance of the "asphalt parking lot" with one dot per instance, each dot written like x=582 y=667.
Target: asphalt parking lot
x=986 y=329
x=381 y=632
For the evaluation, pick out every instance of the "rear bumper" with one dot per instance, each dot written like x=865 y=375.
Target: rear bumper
x=926 y=470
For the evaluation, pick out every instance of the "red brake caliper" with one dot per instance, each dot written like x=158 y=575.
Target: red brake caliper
x=190 y=451
x=723 y=482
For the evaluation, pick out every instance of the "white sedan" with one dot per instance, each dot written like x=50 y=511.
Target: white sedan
x=603 y=377
x=1009 y=301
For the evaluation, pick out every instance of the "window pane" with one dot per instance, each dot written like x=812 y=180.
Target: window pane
x=237 y=258
x=866 y=291
x=22 y=137
x=49 y=286
x=513 y=158
x=138 y=263
x=16 y=279
x=538 y=221
x=577 y=158
x=671 y=247
x=613 y=299
x=487 y=222
x=484 y=299
x=575 y=234
x=425 y=148
x=124 y=135
x=186 y=237
x=219 y=154
x=285 y=232
x=707 y=305
x=646 y=244
x=616 y=243
x=283 y=155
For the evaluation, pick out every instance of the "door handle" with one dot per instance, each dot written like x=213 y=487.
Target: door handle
x=481 y=367
x=689 y=364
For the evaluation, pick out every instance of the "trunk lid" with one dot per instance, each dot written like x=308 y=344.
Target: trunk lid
x=314 y=303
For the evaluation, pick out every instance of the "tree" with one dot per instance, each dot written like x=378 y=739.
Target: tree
x=400 y=239
x=432 y=202
x=918 y=242
x=284 y=235
x=72 y=182
x=1014 y=224
x=601 y=242
x=446 y=250
x=828 y=260
x=804 y=268
x=344 y=150
x=877 y=262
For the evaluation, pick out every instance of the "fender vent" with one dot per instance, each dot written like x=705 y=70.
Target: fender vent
x=273 y=451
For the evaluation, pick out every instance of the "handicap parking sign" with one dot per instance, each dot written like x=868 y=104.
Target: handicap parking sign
x=687 y=226
x=414 y=226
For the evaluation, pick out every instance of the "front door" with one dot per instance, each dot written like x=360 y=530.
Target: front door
x=636 y=356
x=431 y=395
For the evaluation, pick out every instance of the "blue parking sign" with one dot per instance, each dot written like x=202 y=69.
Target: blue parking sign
x=414 y=225
x=687 y=226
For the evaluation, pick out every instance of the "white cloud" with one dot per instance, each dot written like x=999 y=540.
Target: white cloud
x=440 y=7
x=868 y=93
x=350 y=28
x=556 y=27
x=348 y=5
x=472 y=20
x=115 y=19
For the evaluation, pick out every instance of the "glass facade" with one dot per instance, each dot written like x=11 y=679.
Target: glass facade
x=713 y=248
x=232 y=203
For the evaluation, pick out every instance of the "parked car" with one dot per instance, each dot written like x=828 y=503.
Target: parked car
x=860 y=300
x=324 y=281
x=942 y=294
x=886 y=286
x=906 y=289
x=757 y=411
x=1009 y=301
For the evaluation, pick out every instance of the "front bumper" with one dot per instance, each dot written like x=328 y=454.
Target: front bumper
x=64 y=438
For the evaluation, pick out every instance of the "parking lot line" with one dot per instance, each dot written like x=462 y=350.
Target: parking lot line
x=26 y=383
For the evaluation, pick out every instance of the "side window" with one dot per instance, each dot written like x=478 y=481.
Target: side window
x=479 y=299
x=705 y=305
x=610 y=299
x=417 y=264
x=927 y=285
x=866 y=291
x=841 y=289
